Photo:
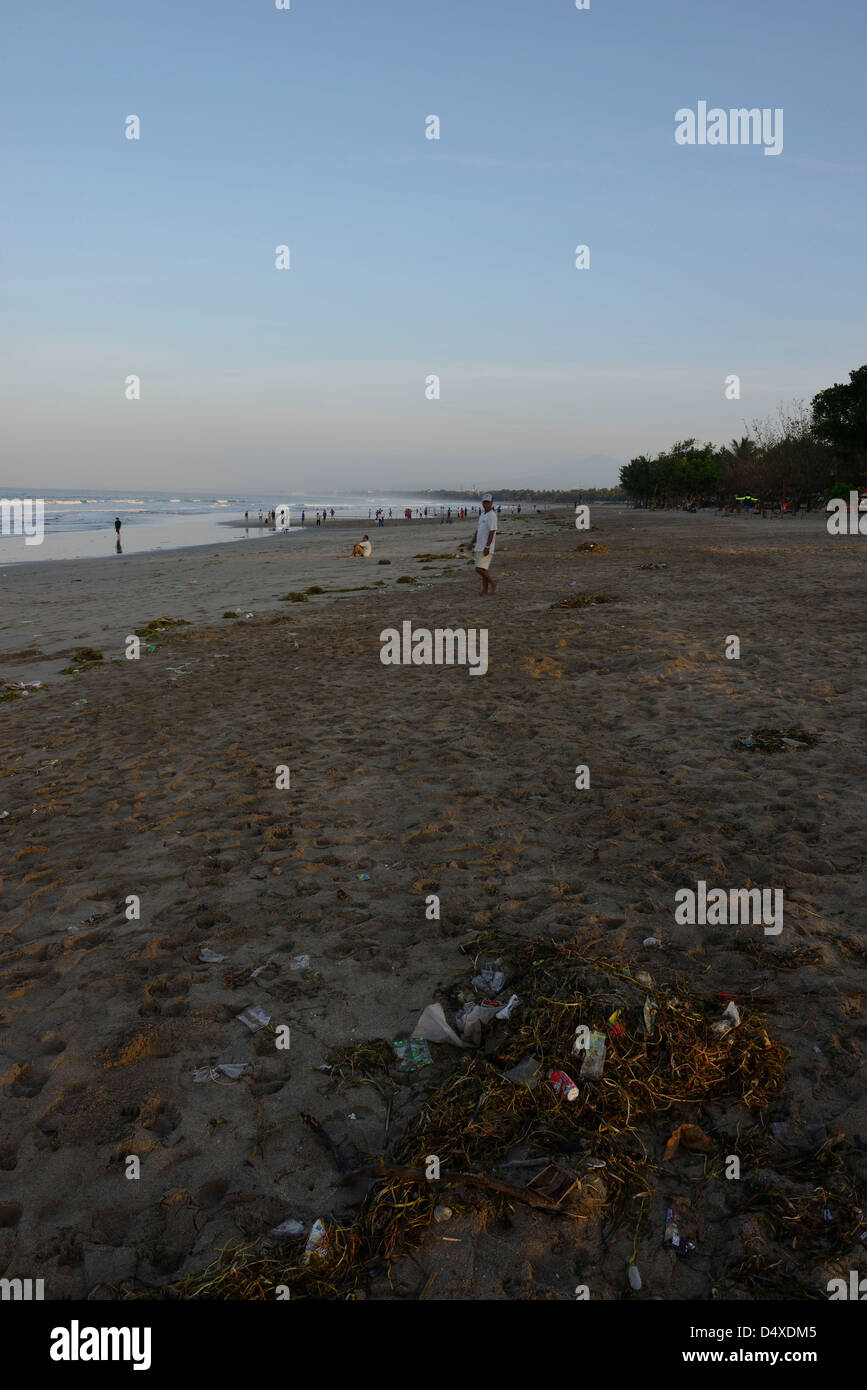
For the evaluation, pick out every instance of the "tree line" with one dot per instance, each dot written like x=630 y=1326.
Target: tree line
x=558 y=496
x=800 y=457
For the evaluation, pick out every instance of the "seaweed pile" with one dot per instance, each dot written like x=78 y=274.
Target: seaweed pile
x=474 y=1118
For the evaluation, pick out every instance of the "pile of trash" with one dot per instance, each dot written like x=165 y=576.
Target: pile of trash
x=549 y=1060
x=14 y=690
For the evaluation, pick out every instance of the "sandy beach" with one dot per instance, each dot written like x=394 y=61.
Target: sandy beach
x=156 y=779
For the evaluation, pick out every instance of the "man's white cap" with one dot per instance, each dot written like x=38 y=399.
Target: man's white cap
x=487 y=497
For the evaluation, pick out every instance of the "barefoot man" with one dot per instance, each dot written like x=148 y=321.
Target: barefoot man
x=483 y=543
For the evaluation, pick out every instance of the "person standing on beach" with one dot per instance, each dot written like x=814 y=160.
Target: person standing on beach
x=318 y=522
x=117 y=525
x=484 y=542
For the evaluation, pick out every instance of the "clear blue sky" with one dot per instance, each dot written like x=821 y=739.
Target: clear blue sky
x=410 y=256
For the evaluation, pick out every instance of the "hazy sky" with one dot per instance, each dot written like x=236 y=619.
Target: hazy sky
x=412 y=257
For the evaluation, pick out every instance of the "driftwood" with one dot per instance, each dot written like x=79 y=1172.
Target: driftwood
x=391 y=1170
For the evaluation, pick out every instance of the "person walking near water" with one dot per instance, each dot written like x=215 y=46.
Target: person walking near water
x=117 y=525
x=483 y=544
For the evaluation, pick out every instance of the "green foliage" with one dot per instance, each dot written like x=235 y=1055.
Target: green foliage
x=795 y=456
x=840 y=413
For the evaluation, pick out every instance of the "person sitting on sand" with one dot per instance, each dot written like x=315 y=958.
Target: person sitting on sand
x=363 y=549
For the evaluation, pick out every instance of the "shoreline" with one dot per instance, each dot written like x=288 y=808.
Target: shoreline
x=54 y=607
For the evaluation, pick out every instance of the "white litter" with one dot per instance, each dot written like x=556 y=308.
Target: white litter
x=254 y=1018
x=210 y=957
x=432 y=1025
x=489 y=981
x=289 y=1228
x=232 y=1070
x=506 y=1013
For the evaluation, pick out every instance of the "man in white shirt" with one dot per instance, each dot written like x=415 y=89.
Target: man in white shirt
x=484 y=542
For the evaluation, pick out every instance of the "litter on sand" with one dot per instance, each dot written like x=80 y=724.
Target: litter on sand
x=506 y=1012
x=232 y=1070
x=774 y=740
x=634 y=1277
x=317 y=1243
x=690 y=1137
x=673 y=1237
x=651 y=941
x=593 y=1064
x=526 y=1072
x=553 y=1183
x=563 y=1085
x=289 y=1228
x=298 y=963
x=472 y=1019
x=432 y=1024
x=254 y=1018
x=490 y=980
x=210 y=957
x=412 y=1053
x=260 y=968
x=731 y=1019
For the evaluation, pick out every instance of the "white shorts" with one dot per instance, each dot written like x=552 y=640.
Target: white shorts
x=483 y=561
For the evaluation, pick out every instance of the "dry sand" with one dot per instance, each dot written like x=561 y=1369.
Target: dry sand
x=429 y=780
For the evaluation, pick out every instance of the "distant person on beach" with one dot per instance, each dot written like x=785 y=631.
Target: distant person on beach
x=363 y=549
x=246 y=518
x=318 y=522
x=117 y=525
x=484 y=542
